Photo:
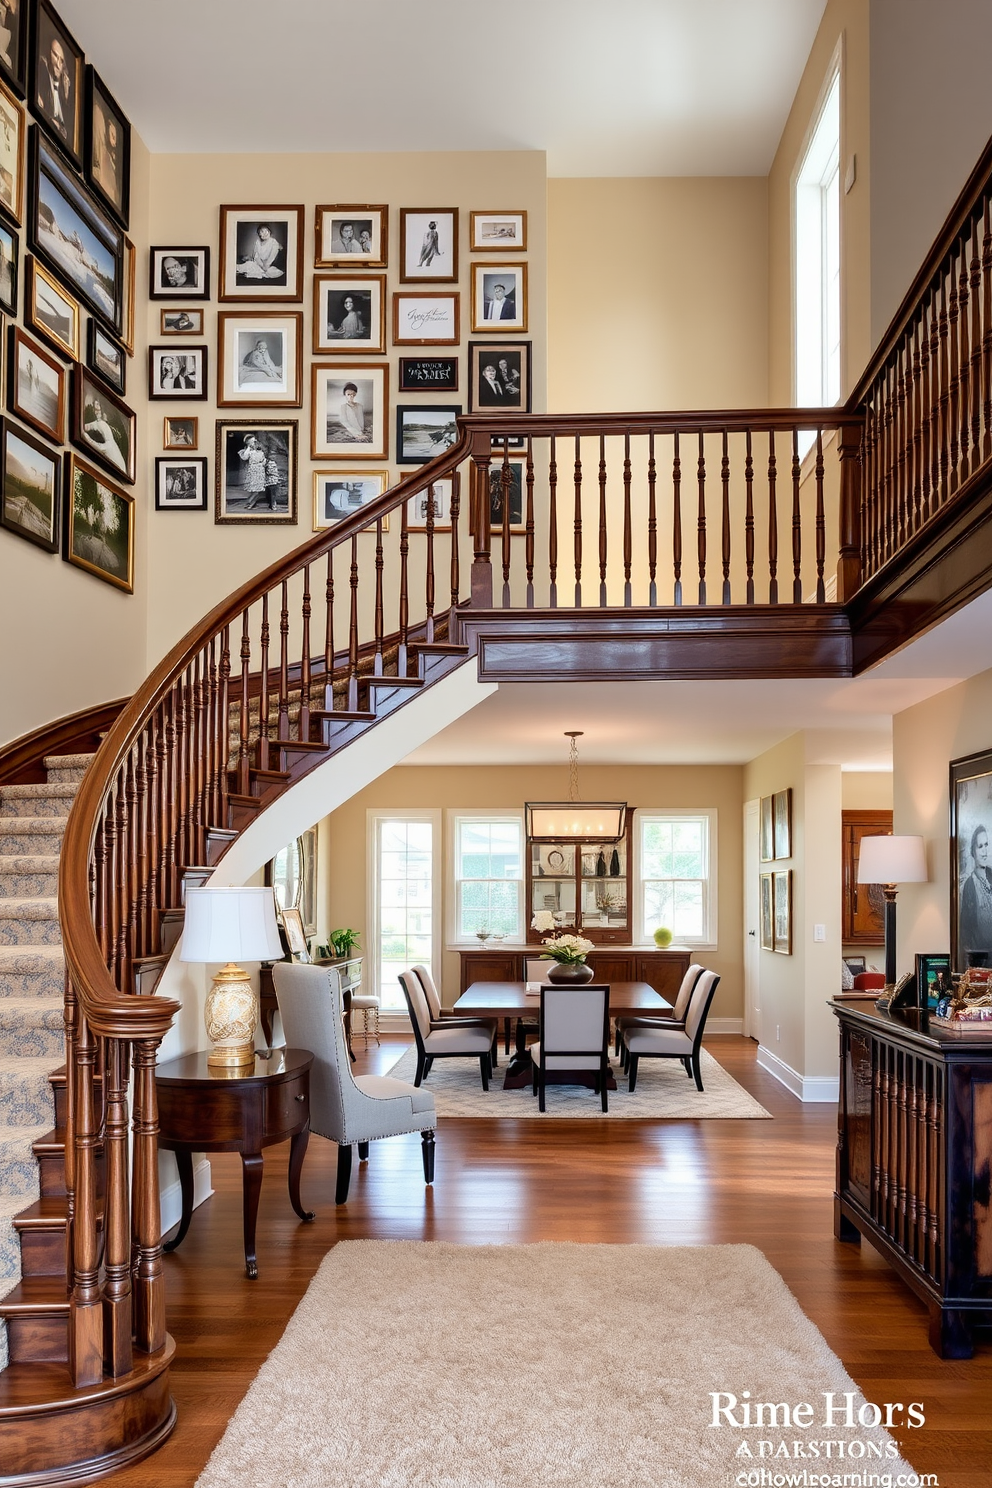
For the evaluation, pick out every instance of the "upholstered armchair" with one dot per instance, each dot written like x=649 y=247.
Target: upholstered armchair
x=674 y=1043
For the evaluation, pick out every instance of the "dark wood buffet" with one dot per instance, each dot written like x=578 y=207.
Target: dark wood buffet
x=662 y=970
x=914 y=1161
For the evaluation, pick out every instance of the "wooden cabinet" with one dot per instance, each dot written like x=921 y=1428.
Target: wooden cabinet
x=662 y=970
x=863 y=904
x=914 y=1153
x=585 y=885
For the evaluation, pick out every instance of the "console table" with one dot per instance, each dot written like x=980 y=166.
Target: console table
x=662 y=970
x=914 y=1153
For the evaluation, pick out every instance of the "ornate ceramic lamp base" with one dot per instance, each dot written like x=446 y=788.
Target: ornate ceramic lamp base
x=231 y=1016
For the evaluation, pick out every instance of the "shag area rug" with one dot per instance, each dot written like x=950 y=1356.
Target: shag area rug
x=663 y=1092
x=420 y=1365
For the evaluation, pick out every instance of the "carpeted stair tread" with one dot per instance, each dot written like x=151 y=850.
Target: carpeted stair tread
x=21 y=885
x=30 y=922
x=31 y=1026
x=29 y=863
x=31 y=834
x=30 y=909
x=36 y=800
x=26 y=1097
x=32 y=971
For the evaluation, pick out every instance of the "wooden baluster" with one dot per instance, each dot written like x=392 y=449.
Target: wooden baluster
x=71 y=1015
x=652 y=524
x=899 y=449
x=725 y=535
x=112 y=876
x=101 y=881
x=262 y=752
x=577 y=526
x=849 y=563
x=944 y=375
x=215 y=736
x=305 y=677
x=821 y=524
x=171 y=878
x=154 y=808
x=926 y=411
x=797 y=523
x=506 y=513
x=935 y=394
x=772 y=522
x=553 y=525
x=954 y=374
x=244 y=760
x=200 y=756
x=149 y=1281
x=869 y=494
x=181 y=855
x=628 y=541
x=455 y=561
x=85 y=1306
x=403 y=656
x=117 y=1210
x=677 y=520
x=934 y=1147
x=329 y=632
x=282 y=724
x=964 y=363
x=352 y=698
x=224 y=730
x=602 y=521
x=480 y=519
x=429 y=590
x=877 y=1130
x=987 y=333
x=379 y=622
x=888 y=467
x=701 y=519
x=529 y=530
x=916 y=463
x=139 y=852
x=975 y=373
x=125 y=791
x=748 y=519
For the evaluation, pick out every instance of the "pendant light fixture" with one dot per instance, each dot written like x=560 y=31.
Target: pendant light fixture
x=575 y=820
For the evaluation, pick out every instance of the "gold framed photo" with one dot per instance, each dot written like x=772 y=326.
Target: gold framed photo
x=497 y=232
x=260 y=359
x=99 y=526
x=349 y=412
x=499 y=297
x=181 y=323
x=783 y=912
x=12 y=154
x=255 y=472
x=350 y=237
x=261 y=253
x=51 y=310
x=181 y=433
x=36 y=387
x=349 y=314
x=339 y=493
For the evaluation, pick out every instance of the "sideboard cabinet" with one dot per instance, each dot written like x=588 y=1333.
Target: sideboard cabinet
x=662 y=970
x=914 y=1154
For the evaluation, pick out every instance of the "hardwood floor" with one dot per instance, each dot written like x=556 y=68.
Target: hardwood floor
x=767 y=1183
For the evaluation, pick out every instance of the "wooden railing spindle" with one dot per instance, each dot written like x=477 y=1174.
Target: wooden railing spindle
x=725 y=484
x=577 y=524
x=403 y=655
x=352 y=703
x=529 y=529
x=379 y=623
x=552 y=525
x=821 y=525
x=677 y=521
x=262 y=750
x=282 y=728
x=652 y=523
x=305 y=677
x=748 y=520
x=772 y=523
x=797 y=529
x=701 y=518
x=602 y=520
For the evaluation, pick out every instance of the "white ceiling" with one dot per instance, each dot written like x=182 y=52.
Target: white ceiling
x=632 y=88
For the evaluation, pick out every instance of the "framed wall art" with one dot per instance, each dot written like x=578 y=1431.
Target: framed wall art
x=179 y=274
x=425 y=430
x=261 y=253
x=181 y=433
x=180 y=483
x=430 y=509
x=766 y=832
x=767 y=910
x=30 y=493
x=183 y=322
x=783 y=912
x=107 y=148
x=506 y=495
x=260 y=358
x=14 y=43
x=105 y=357
x=129 y=278
x=57 y=80
x=933 y=979
x=497 y=232
x=498 y=376
x=782 y=823
x=296 y=939
x=337 y=495
x=50 y=310
x=36 y=386
x=73 y=236
x=349 y=412
x=350 y=237
x=349 y=314
x=426 y=319
x=499 y=297
x=255 y=476
x=102 y=426
x=970 y=792
x=12 y=154
x=9 y=254
x=177 y=372
x=429 y=244
x=428 y=374
x=99 y=526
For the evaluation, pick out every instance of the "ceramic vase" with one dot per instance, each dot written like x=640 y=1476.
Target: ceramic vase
x=570 y=973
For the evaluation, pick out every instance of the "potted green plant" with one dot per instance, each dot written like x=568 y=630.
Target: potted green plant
x=342 y=943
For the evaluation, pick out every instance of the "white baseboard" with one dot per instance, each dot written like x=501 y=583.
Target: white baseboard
x=724 y=1025
x=172 y=1198
x=823 y=1089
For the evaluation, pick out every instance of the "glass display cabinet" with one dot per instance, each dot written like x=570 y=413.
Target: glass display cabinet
x=585 y=886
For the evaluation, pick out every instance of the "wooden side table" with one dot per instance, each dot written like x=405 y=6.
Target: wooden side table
x=203 y=1109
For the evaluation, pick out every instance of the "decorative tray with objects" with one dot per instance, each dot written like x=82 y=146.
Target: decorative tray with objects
x=970 y=1004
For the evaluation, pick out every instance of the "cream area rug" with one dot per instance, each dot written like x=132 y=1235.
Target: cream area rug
x=419 y=1365
x=663 y=1092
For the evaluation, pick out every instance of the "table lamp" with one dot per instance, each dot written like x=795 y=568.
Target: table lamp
x=890 y=861
x=230 y=925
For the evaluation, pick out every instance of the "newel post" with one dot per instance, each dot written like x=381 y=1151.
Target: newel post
x=851 y=478
x=480 y=516
x=149 y=1280
x=86 y=1307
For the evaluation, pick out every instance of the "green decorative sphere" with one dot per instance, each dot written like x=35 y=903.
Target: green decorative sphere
x=662 y=937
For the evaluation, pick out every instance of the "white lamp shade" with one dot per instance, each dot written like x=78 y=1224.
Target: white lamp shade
x=230 y=925
x=891 y=860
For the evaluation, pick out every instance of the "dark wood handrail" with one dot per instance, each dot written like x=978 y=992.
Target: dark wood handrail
x=22 y=760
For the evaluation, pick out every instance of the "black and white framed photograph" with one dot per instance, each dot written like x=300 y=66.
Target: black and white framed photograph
x=767 y=906
x=261 y=253
x=498 y=376
x=349 y=236
x=180 y=483
x=499 y=297
x=128 y=285
x=783 y=912
x=782 y=823
x=14 y=43
x=108 y=148
x=429 y=244
x=179 y=274
x=260 y=358
x=426 y=318
x=428 y=374
x=30 y=495
x=497 y=232
x=73 y=236
x=106 y=357
x=99 y=526
x=971 y=860
x=9 y=252
x=102 y=426
x=424 y=431
x=349 y=412
x=181 y=322
x=766 y=831
x=13 y=141
x=57 y=80
x=51 y=311
x=177 y=372
x=430 y=509
x=506 y=495
x=36 y=386
x=181 y=433
x=338 y=493
x=349 y=314
x=255 y=476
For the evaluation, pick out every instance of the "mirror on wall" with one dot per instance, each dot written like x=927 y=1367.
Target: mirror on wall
x=292 y=873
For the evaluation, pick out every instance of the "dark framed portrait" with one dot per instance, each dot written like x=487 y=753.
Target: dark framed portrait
x=971 y=860
x=108 y=148
x=428 y=374
x=179 y=274
x=429 y=244
x=57 y=81
x=73 y=236
x=261 y=253
x=102 y=426
x=260 y=358
x=99 y=526
x=14 y=43
x=36 y=386
x=499 y=297
x=181 y=433
x=499 y=376
x=177 y=372
x=51 y=311
x=255 y=476
x=349 y=314
x=9 y=257
x=106 y=357
x=338 y=493
x=426 y=318
x=349 y=411
x=506 y=495
x=180 y=483
x=30 y=494
x=424 y=431
x=349 y=237
x=13 y=143
x=181 y=323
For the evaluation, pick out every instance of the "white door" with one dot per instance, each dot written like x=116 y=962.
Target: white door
x=752 y=987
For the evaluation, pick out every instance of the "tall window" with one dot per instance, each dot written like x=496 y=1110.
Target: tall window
x=817 y=276
x=677 y=875
x=488 y=874
x=404 y=897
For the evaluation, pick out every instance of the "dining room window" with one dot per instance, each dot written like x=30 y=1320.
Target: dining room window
x=488 y=864
x=676 y=875
x=404 y=895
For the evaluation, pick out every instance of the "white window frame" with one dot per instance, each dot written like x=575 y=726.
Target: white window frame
x=372 y=970
x=455 y=940
x=642 y=935
x=816 y=259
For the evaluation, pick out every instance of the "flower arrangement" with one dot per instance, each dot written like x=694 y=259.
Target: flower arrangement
x=567 y=950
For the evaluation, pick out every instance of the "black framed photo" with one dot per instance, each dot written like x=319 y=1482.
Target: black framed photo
x=177 y=372
x=51 y=311
x=108 y=148
x=36 y=386
x=9 y=255
x=30 y=494
x=499 y=376
x=180 y=483
x=13 y=142
x=506 y=495
x=99 y=526
x=179 y=274
x=57 y=81
x=14 y=43
x=428 y=374
x=255 y=478
x=933 y=979
x=73 y=236
x=106 y=357
x=261 y=253
x=102 y=426
x=971 y=860
x=425 y=430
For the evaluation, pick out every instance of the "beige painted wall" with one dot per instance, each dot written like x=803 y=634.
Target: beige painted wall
x=657 y=294
x=866 y=790
x=343 y=837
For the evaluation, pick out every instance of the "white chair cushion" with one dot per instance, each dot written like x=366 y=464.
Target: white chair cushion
x=658 y=1041
x=458 y=1041
x=384 y=1087
x=564 y=1061
x=361 y=1000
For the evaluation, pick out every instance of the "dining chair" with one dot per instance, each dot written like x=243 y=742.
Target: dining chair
x=351 y=1110
x=674 y=1043
x=450 y=1040
x=444 y=1018
x=574 y=1035
x=672 y=1019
